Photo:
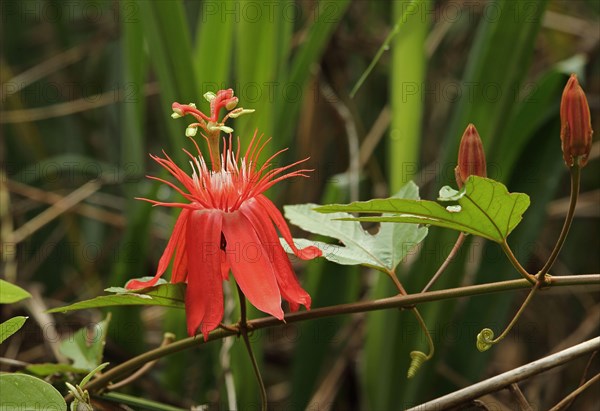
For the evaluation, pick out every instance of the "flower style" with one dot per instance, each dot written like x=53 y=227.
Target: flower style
x=211 y=124
x=227 y=224
x=576 y=126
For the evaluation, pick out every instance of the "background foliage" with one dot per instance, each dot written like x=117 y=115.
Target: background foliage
x=86 y=93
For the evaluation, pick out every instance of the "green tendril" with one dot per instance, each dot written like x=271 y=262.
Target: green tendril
x=418 y=358
x=485 y=339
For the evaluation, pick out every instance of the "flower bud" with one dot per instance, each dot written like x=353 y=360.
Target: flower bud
x=576 y=126
x=471 y=157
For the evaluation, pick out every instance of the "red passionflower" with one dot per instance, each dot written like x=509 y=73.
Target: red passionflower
x=228 y=224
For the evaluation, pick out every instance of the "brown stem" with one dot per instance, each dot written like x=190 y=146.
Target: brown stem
x=362 y=306
x=168 y=338
x=569 y=398
x=575 y=180
x=459 y=242
x=244 y=332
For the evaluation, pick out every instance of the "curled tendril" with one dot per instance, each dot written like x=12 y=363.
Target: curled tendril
x=485 y=339
x=418 y=358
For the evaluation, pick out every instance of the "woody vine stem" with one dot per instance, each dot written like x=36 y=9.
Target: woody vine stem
x=122 y=370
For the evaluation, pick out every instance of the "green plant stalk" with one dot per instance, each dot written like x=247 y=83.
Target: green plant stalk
x=515 y=262
x=575 y=184
x=384 y=47
x=459 y=242
x=414 y=367
x=243 y=327
x=140 y=403
x=427 y=334
x=392 y=302
x=408 y=74
x=518 y=314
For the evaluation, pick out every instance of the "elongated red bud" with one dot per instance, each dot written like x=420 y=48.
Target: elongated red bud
x=575 y=124
x=471 y=157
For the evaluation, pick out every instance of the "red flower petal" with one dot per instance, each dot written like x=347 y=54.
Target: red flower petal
x=290 y=288
x=250 y=264
x=306 y=253
x=180 y=262
x=204 y=294
x=163 y=263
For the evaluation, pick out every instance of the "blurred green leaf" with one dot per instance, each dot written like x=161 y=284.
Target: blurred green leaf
x=86 y=345
x=139 y=403
x=10 y=293
x=11 y=326
x=383 y=250
x=166 y=295
x=25 y=392
x=43 y=370
x=486 y=209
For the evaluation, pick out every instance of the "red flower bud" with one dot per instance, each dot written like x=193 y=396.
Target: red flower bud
x=471 y=157
x=576 y=126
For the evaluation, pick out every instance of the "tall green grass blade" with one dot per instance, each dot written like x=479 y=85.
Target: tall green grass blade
x=510 y=38
x=168 y=39
x=408 y=9
x=407 y=78
x=327 y=16
x=213 y=49
x=385 y=329
x=256 y=68
x=316 y=344
x=133 y=157
x=491 y=89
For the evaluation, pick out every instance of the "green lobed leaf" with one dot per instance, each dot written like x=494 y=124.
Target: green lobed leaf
x=11 y=326
x=486 y=209
x=25 y=392
x=10 y=293
x=383 y=250
x=86 y=346
x=166 y=295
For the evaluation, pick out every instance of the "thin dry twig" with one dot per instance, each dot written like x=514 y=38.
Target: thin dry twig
x=54 y=211
x=351 y=134
x=375 y=135
x=569 y=398
x=505 y=379
x=72 y=107
x=519 y=397
x=8 y=258
x=49 y=197
x=41 y=70
x=323 y=398
x=38 y=310
x=583 y=376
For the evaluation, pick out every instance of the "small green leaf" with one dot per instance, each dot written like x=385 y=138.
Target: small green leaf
x=166 y=295
x=89 y=376
x=86 y=345
x=9 y=327
x=383 y=250
x=45 y=369
x=486 y=209
x=25 y=392
x=10 y=293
